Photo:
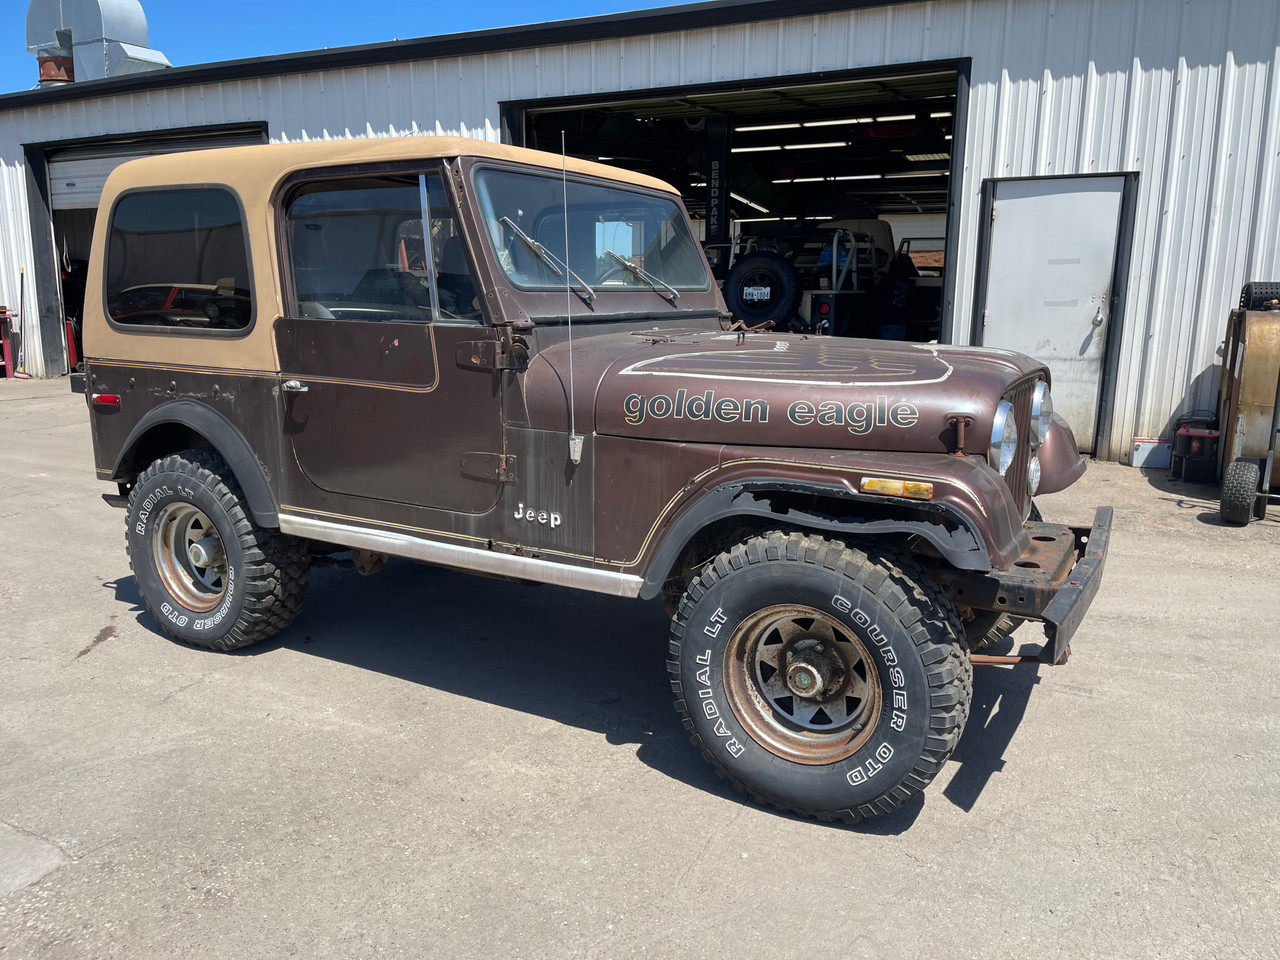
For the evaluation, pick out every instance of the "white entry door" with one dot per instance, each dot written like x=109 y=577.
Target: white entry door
x=1051 y=261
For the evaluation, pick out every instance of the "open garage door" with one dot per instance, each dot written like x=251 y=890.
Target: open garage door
x=824 y=202
x=77 y=174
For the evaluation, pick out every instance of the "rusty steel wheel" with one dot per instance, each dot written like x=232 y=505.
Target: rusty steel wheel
x=802 y=684
x=208 y=573
x=189 y=556
x=818 y=677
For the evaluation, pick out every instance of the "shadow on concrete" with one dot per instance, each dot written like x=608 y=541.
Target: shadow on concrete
x=126 y=591
x=590 y=661
x=1201 y=497
x=1000 y=698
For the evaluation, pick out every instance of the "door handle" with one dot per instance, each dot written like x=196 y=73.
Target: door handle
x=293 y=386
x=1097 y=322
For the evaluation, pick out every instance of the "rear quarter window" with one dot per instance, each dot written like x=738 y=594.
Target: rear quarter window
x=179 y=259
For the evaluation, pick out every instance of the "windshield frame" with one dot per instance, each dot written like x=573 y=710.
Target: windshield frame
x=544 y=302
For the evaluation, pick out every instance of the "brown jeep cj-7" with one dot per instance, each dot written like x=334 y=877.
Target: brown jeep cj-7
x=491 y=359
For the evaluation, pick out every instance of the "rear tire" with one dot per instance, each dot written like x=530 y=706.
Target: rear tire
x=1239 y=492
x=820 y=678
x=209 y=574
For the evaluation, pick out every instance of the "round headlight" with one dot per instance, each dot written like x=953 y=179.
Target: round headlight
x=1041 y=414
x=1004 y=438
x=1033 y=475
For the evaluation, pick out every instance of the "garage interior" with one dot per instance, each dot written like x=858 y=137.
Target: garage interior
x=77 y=172
x=771 y=163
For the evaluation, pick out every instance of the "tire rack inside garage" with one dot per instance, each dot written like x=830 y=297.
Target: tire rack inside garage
x=774 y=161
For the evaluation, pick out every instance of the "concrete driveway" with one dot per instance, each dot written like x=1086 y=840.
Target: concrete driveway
x=432 y=765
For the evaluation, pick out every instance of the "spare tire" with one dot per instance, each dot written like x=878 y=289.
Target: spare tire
x=762 y=287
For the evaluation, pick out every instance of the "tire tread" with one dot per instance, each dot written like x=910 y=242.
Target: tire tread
x=276 y=566
x=897 y=579
x=1239 y=492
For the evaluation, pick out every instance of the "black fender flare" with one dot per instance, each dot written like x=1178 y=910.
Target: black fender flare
x=959 y=542
x=224 y=438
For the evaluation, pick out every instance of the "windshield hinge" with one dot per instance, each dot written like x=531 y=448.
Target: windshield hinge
x=493 y=355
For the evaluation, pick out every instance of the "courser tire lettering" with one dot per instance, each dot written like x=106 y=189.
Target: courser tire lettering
x=252 y=582
x=819 y=677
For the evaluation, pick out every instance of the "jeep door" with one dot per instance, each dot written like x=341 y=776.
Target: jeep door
x=379 y=298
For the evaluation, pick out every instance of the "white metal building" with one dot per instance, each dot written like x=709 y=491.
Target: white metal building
x=1179 y=100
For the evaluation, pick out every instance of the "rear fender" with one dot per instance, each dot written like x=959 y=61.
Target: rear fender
x=220 y=434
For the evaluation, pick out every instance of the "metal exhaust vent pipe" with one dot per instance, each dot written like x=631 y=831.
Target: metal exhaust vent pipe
x=89 y=39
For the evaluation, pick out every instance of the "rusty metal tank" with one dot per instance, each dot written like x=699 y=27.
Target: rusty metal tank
x=1250 y=370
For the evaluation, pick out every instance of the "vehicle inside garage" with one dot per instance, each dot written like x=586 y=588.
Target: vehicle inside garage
x=823 y=204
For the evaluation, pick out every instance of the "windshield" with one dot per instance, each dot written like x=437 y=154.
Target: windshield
x=619 y=240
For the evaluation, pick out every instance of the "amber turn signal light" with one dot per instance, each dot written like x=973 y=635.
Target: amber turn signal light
x=911 y=489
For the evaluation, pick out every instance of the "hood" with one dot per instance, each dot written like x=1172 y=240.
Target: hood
x=780 y=390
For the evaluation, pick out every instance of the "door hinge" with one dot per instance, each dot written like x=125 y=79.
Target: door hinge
x=492 y=355
x=489 y=466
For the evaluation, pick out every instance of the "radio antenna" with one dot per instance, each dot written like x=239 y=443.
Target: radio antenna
x=575 y=441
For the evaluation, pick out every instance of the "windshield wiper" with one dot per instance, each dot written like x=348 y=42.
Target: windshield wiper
x=647 y=277
x=547 y=257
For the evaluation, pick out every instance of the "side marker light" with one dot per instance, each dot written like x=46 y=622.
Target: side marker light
x=911 y=489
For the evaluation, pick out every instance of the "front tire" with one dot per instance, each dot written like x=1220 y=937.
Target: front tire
x=208 y=573
x=819 y=678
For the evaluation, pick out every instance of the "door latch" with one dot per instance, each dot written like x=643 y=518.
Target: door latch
x=293 y=386
x=1097 y=318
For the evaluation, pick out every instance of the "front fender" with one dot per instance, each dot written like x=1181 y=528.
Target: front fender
x=956 y=537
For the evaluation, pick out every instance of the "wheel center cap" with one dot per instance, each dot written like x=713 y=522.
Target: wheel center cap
x=206 y=552
x=805 y=679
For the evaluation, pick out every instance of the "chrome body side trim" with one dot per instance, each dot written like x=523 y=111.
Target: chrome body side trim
x=462 y=558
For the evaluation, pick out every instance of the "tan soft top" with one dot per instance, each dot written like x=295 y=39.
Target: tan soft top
x=268 y=163
x=254 y=173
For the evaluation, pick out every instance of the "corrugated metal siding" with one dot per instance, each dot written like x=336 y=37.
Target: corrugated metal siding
x=1185 y=92
x=15 y=253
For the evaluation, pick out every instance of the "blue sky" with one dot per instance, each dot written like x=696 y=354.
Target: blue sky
x=188 y=32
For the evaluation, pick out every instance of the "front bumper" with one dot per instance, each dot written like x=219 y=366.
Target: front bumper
x=1054 y=581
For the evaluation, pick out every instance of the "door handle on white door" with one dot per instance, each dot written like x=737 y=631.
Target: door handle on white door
x=1097 y=318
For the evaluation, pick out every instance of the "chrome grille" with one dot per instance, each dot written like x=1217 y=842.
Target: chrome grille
x=1020 y=396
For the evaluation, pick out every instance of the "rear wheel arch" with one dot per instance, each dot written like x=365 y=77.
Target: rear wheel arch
x=188 y=424
x=725 y=515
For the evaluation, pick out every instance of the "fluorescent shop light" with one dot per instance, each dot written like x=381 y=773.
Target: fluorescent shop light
x=817 y=146
x=749 y=203
x=768 y=126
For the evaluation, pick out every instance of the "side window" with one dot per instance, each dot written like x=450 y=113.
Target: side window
x=358 y=251
x=178 y=258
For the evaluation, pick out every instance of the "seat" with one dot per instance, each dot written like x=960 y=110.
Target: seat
x=453 y=282
x=392 y=287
